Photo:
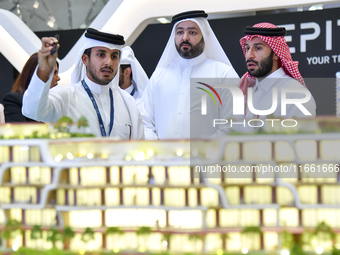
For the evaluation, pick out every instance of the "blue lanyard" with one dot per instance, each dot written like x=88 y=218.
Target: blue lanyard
x=133 y=92
x=95 y=106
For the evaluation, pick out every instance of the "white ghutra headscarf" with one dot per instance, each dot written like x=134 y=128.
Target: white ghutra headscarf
x=139 y=77
x=98 y=39
x=212 y=48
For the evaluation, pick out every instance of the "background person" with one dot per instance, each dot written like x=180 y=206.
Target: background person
x=132 y=78
x=13 y=101
x=2 y=116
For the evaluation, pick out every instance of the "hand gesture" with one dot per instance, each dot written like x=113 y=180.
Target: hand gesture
x=46 y=61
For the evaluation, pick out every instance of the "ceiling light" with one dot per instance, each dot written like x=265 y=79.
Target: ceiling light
x=50 y=24
x=163 y=20
x=51 y=21
x=316 y=7
x=36 y=4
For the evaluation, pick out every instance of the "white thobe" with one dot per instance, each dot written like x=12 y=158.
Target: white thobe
x=2 y=116
x=129 y=89
x=48 y=105
x=263 y=97
x=137 y=94
x=166 y=107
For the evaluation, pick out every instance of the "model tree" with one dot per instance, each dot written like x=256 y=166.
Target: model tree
x=66 y=237
x=116 y=233
x=53 y=236
x=12 y=230
x=36 y=233
x=252 y=232
x=64 y=124
x=87 y=236
x=144 y=233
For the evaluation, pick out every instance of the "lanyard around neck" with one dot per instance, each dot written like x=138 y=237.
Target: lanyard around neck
x=133 y=92
x=95 y=106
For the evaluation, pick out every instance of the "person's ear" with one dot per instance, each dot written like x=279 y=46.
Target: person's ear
x=85 y=59
x=276 y=57
x=127 y=72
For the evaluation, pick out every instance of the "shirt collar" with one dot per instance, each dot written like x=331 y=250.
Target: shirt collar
x=269 y=81
x=129 y=89
x=96 y=88
x=193 y=61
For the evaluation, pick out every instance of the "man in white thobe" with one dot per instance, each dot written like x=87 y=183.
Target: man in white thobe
x=132 y=78
x=169 y=104
x=94 y=92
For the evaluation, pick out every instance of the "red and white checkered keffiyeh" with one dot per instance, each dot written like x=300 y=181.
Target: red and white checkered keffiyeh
x=279 y=45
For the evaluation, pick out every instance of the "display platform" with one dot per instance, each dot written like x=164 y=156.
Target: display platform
x=187 y=196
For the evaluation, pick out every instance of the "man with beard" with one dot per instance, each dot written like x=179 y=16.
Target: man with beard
x=192 y=51
x=94 y=92
x=270 y=66
x=132 y=77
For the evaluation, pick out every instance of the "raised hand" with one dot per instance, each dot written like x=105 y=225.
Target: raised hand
x=46 y=61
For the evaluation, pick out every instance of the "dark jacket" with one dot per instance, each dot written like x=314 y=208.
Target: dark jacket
x=12 y=108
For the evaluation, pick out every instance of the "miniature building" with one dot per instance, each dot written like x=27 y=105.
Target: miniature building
x=101 y=183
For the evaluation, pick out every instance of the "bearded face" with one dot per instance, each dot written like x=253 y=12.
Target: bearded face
x=259 y=58
x=188 y=40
